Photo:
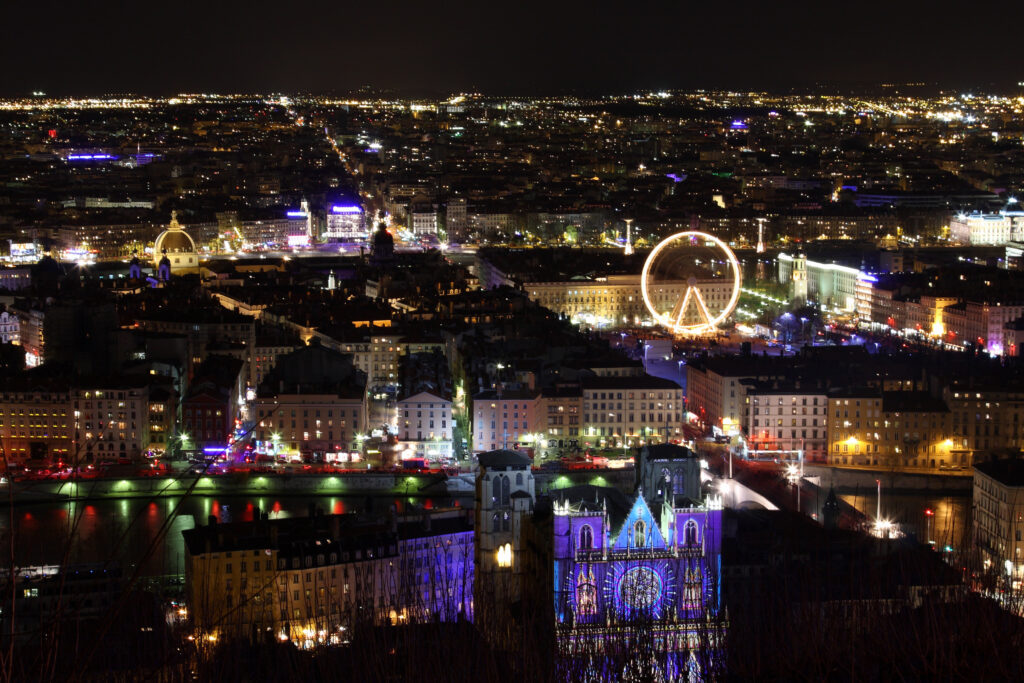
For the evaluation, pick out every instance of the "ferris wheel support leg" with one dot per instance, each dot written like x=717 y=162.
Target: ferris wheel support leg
x=682 y=307
x=703 y=307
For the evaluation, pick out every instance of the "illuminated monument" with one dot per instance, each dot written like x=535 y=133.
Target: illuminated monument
x=633 y=580
x=174 y=251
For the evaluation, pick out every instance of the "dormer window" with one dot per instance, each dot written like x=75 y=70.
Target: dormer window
x=639 y=534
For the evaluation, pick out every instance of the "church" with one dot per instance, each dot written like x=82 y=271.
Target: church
x=174 y=251
x=624 y=574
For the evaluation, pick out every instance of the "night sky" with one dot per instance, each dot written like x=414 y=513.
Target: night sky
x=526 y=47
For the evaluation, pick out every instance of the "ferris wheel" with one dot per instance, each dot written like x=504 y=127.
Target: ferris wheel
x=691 y=282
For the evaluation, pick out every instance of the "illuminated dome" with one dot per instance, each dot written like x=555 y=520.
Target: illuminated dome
x=177 y=246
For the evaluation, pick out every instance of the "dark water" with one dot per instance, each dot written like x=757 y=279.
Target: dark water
x=148 y=533
x=949 y=525
x=131 y=533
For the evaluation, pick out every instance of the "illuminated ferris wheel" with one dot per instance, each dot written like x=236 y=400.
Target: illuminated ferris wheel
x=691 y=282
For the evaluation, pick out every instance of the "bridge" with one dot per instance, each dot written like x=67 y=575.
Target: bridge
x=736 y=494
x=765 y=485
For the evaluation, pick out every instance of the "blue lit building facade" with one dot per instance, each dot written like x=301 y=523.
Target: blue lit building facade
x=657 y=568
x=626 y=575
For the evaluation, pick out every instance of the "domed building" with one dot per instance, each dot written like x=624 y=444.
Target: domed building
x=177 y=247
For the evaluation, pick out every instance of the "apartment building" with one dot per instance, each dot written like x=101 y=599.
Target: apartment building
x=630 y=411
x=309 y=580
x=898 y=430
x=999 y=516
x=425 y=426
x=503 y=418
x=786 y=417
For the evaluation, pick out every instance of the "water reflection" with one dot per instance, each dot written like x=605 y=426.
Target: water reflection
x=948 y=525
x=148 y=533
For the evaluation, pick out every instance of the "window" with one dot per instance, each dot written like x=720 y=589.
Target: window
x=690 y=533
x=586 y=540
x=639 y=533
x=586 y=592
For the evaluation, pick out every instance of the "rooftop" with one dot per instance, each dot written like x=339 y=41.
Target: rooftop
x=1007 y=471
x=503 y=458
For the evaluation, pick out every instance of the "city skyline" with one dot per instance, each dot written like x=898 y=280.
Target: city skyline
x=677 y=384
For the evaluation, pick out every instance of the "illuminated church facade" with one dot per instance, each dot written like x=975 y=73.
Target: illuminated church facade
x=646 y=583
x=660 y=566
x=626 y=573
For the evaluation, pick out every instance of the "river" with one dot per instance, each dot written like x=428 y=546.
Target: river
x=949 y=525
x=133 y=532
x=130 y=533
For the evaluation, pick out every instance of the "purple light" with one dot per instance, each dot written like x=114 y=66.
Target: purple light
x=738 y=125
x=676 y=177
x=86 y=157
x=346 y=208
x=215 y=449
x=297 y=214
x=867 y=278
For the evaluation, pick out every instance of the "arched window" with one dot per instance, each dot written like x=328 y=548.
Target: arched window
x=496 y=490
x=519 y=479
x=639 y=534
x=586 y=537
x=586 y=592
x=692 y=584
x=504 y=489
x=690 y=533
x=495 y=524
